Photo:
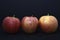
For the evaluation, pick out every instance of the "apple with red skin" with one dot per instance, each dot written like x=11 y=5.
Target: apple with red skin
x=29 y=24
x=48 y=23
x=11 y=24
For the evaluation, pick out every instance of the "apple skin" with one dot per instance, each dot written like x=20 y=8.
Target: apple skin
x=11 y=24
x=29 y=24
x=48 y=24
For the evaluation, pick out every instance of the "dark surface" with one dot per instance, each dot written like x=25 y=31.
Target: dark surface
x=23 y=8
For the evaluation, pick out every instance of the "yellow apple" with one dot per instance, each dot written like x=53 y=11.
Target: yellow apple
x=48 y=23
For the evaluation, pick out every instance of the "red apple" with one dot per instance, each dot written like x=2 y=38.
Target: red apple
x=48 y=23
x=29 y=24
x=11 y=24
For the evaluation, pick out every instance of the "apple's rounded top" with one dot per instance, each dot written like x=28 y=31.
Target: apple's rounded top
x=48 y=15
x=30 y=16
x=11 y=16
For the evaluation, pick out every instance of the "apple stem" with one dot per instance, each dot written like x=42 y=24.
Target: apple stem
x=14 y=15
x=32 y=15
x=48 y=14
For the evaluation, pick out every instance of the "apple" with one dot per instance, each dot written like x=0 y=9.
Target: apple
x=29 y=24
x=11 y=24
x=48 y=23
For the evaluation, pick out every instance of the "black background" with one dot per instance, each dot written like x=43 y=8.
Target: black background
x=23 y=8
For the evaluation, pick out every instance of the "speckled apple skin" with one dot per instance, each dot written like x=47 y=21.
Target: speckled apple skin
x=11 y=24
x=48 y=24
x=29 y=24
